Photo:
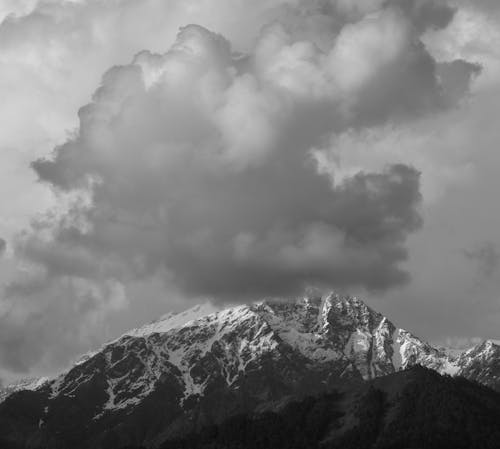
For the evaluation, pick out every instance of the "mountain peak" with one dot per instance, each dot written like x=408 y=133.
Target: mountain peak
x=226 y=361
x=485 y=347
x=174 y=320
x=493 y=343
x=310 y=303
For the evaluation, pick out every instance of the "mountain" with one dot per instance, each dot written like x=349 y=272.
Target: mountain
x=482 y=364
x=188 y=371
x=417 y=408
x=32 y=383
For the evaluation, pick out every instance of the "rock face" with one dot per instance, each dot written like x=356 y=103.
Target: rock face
x=481 y=364
x=190 y=370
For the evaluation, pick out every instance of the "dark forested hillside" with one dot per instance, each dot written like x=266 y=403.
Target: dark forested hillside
x=413 y=409
x=409 y=410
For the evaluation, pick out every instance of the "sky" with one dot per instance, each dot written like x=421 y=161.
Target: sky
x=155 y=154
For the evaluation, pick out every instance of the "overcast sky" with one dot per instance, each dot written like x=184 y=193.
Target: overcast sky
x=155 y=153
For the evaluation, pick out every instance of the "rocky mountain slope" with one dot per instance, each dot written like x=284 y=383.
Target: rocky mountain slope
x=481 y=364
x=187 y=371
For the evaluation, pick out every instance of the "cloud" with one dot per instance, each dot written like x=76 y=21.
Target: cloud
x=202 y=167
x=456 y=78
x=15 y=8
x=424 y=14
x=459 y=343
x=52 y=56
x=427 y=14
x=487 y=6
x=197 y=172
x=3 y=246
x=487 y=258
x=456 y=153
x=60 y=314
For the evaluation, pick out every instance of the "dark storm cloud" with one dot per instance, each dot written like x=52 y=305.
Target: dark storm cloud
x=455 y=78
x=348 y=236
x=205 y=168
x=427 y=14
x=487 y=258
x=209 y=174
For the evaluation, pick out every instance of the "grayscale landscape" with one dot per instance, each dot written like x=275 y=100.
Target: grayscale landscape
x=267 y=224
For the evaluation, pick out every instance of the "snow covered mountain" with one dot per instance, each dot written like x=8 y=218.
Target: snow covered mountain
x=188 y=370
x=23 y=384
x=481 y=364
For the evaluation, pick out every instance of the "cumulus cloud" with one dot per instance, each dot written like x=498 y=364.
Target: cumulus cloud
x=201 y=166
x=52 y=56
x=204 y=170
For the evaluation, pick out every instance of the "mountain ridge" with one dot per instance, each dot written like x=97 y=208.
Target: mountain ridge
x=406 y=342
x=209 y=367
